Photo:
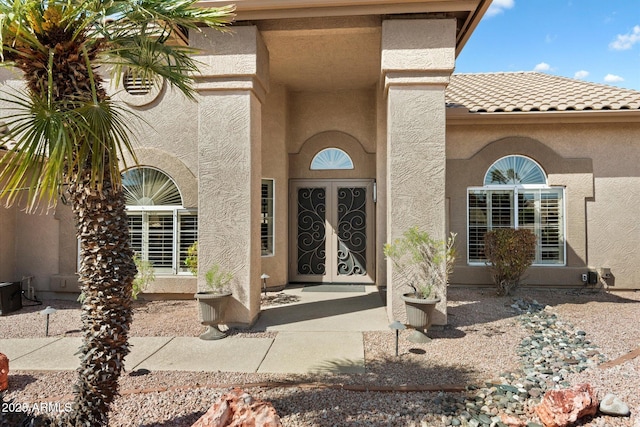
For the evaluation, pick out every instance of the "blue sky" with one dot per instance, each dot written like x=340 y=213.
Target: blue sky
x=591 y=40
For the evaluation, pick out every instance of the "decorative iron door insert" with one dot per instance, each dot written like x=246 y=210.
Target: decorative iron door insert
x=332 y=231
x=312 y=236
x=352 y=231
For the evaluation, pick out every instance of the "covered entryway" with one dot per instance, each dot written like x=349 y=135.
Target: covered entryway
x=332 y=231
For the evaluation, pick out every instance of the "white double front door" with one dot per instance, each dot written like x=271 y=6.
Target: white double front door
x=331 y=237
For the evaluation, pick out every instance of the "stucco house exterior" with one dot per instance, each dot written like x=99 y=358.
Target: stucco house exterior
x=326 y=128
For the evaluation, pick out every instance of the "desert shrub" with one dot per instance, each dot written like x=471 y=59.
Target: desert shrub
x=217 y=278
x=192 y=259
x=144 y=276
x=509 y=254
x=424 y=263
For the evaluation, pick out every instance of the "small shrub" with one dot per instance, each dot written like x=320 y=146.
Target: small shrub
x=509 y=254
x=217 y=278
x=424 y=263
x=191 y=261
x=144 y=276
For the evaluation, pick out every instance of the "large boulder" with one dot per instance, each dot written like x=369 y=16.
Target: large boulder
x=4 y=372
x=238 y=409
x=560 y=408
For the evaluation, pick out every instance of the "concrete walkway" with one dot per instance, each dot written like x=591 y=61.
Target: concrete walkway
x=320 y=332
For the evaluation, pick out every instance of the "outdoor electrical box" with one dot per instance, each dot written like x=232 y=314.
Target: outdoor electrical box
x=593 y=277
x=10 y=297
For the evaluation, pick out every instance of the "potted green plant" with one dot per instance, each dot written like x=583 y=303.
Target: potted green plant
x=424 y=264
x=213 y=300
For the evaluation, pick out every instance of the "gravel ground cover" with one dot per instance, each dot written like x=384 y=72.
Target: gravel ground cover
x=505 y=351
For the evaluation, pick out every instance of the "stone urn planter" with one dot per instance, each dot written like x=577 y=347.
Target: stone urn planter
x=212 y=306
x=419 y=315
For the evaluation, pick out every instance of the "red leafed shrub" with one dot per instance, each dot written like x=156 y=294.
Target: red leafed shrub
x=509 y=253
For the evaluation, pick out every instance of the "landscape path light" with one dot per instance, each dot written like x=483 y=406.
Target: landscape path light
x=49 y=310
x=397 y=326
x=264 y=278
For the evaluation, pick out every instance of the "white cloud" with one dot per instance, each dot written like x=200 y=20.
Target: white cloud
x=626 y=41
x=499 y=6
x=543 y=66
x=582 y=74
x=612 y=78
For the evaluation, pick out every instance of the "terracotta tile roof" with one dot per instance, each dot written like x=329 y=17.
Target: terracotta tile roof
x=532 y=91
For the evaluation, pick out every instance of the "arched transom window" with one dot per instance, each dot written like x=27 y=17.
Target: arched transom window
x=160 y=229
x=150 y=187
x=515 y=170
x=331 y=159
x=516 y=195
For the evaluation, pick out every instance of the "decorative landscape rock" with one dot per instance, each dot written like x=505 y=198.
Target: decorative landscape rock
x=612 y=405
x=551 y=351
x=512 y=421
x=560 y=408
x=4 y=372
x=238 y=409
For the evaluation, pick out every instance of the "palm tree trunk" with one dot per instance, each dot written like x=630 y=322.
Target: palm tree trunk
x=105 y=280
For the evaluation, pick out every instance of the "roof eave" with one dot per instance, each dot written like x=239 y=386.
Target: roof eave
x=267 y=9
x=249 y=10
x=462 y=117
x=470 y=25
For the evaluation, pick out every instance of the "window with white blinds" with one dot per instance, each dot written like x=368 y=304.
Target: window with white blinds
x=266 y=217
x=534 y=206
x=160 y=229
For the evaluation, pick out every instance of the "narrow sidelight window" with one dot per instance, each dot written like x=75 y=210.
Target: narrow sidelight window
x=266 y=217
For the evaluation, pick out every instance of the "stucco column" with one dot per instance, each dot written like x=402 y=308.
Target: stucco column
x=231 y=86
x=418 y=57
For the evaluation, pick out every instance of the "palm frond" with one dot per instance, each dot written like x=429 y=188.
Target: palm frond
x=53 y=139
x=174 y=13
x=138 y=40
x=109 y=128
x=147 y=59
x=16 y=31
x=40 y=139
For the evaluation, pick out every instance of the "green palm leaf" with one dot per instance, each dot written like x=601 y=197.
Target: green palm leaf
x=52 y=139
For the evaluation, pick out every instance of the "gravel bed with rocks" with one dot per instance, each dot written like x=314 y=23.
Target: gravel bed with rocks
x=504 y=351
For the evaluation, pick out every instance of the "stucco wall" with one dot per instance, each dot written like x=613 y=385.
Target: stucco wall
x=37 y=248
x=417 y=59
x=30 y=244
x=166 y=139
x=232 y=88
x=275 y=166
x=597 y=164
x=168 y=124
x=351 y=111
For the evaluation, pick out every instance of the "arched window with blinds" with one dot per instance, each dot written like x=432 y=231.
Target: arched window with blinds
x=516 y=194
x=160 y=229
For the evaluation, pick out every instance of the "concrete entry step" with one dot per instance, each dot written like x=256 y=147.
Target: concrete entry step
x=326 y=311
